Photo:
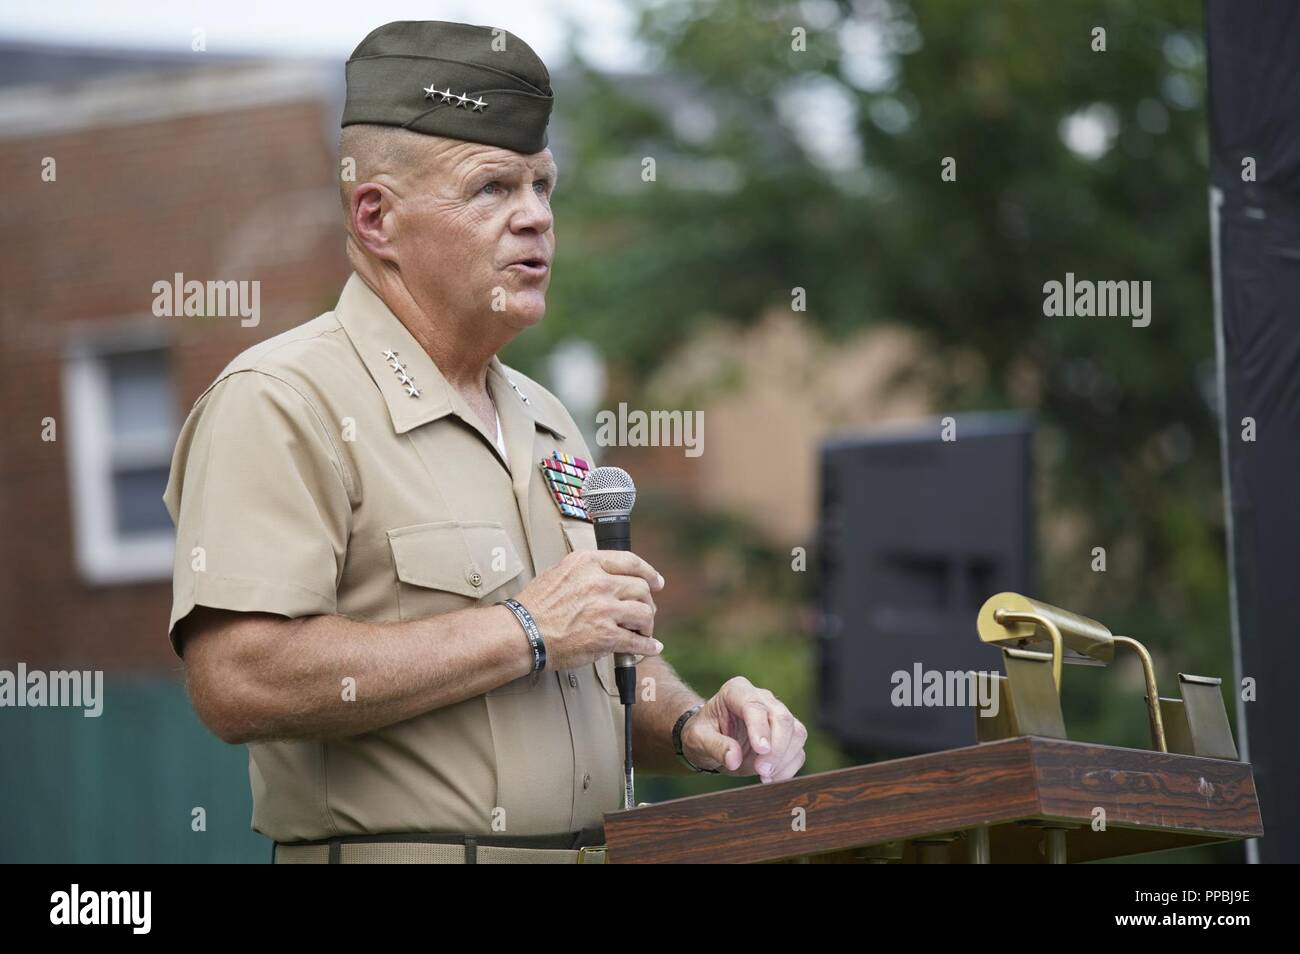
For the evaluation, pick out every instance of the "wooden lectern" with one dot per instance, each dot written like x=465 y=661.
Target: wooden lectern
x=1025 y=799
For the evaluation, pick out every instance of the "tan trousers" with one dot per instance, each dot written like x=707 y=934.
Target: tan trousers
x=429 y=853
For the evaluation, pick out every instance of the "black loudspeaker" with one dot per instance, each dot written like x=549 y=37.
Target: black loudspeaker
x=915 y=533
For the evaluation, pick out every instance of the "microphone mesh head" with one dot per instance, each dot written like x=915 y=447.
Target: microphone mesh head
x=608 y=491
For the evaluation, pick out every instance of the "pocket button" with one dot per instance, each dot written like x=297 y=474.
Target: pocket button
x=474 y=576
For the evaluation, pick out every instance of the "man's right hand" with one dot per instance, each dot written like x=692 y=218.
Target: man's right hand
x=594 y=603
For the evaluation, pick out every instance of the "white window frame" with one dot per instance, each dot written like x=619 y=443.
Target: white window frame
x=104 y=557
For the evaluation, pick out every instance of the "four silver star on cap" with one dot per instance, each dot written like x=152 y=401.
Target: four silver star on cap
x=405 y=378
x=460 y=99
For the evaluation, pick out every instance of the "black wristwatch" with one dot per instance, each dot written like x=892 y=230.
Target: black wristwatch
x=677 y=739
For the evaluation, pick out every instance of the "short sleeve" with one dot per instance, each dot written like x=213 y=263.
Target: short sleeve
x=260 y=500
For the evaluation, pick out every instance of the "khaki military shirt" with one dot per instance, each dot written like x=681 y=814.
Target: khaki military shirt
x=311 y=478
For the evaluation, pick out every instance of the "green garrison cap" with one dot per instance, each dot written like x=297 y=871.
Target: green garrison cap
x=451 y=79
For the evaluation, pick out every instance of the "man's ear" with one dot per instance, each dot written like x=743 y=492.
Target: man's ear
x=370 y=212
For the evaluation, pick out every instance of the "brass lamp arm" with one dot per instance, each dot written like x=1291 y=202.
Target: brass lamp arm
x=1153 y=694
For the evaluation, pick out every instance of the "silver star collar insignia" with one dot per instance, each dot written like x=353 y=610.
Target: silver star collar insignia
x=403 y=377
x=522 y=396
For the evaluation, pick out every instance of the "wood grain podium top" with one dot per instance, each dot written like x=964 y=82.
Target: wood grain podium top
x=1153 y=801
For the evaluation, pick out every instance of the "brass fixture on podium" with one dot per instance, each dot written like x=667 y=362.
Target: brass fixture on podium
x=1030 y=699
x=1198 y=722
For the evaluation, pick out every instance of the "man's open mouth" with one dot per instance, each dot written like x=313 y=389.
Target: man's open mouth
x=537 y=265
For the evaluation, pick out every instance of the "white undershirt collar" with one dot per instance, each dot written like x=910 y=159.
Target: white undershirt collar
x=501 y=441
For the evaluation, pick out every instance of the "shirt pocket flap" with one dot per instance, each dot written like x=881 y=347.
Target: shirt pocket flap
x=604 y=667
x=579 y=535
x=471 y=558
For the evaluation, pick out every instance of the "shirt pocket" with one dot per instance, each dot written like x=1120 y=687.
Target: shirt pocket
x=453 y=558
x=453 y=565
x=580 y=535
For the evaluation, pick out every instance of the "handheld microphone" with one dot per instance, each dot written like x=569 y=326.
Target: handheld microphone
x=610 y=496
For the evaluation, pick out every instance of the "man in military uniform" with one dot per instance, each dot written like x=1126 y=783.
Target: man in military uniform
x=355 y=499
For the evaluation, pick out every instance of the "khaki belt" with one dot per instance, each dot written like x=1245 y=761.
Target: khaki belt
x=420 y=849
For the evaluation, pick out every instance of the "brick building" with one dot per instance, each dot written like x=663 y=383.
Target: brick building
x=113 y=183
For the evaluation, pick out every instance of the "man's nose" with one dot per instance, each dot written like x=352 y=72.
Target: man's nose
x=533 y=214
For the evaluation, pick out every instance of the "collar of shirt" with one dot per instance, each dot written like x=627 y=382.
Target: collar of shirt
x=376 y=333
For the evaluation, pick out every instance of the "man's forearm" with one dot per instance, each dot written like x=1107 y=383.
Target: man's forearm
x=652 y=722
x=287 y=678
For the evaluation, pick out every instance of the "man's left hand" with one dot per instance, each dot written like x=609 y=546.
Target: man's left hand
x=744 y=730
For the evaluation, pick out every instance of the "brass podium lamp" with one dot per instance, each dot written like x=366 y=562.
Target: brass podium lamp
x=1017 y=622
